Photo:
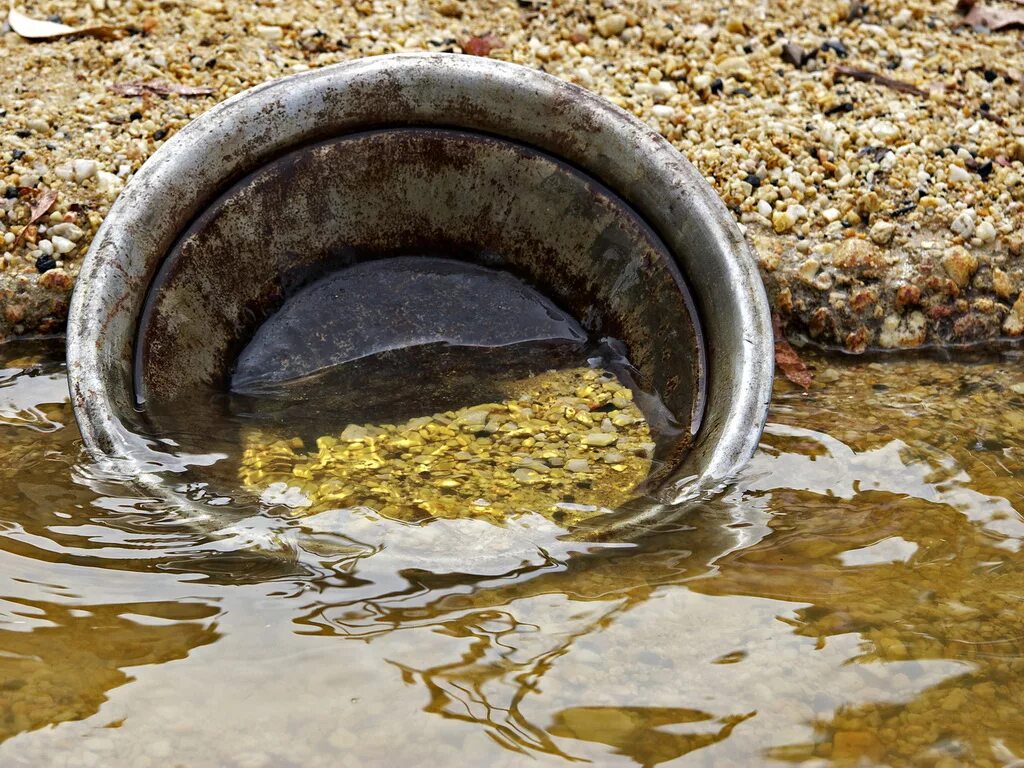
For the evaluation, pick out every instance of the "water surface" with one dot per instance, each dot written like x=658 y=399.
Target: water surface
x=856 y=597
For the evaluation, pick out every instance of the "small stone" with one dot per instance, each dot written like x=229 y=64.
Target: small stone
x=1014 y=323
x=83 y=169
x=611 y=25
x=960 y=265
x=831 y=214
x=269 y=32
x=1001 y=284
x=68 y=230
x=783 y=221
x=527 y=476
x=882 y=232
x=764 y=208
x=963 y=224
x=62 y=244
x=808 y=269
x=737 y=66
x=985 y=231
x=600 y=439
x=623 y=419
x=45 y=263
x=860 y=257
x=793 y=54
x=885 y=130
x=107 y=182
x=354 y=432
x=577 y=465
x=958 y=175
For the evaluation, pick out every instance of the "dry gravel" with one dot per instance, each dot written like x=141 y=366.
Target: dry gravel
x=882 y=217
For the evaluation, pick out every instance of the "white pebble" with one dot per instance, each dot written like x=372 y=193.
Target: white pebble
x=963 y=224
x=883 y=129
x=611 y=25
x=45 y=246
x=68 y=230
x=764 y=208
x=268 y=32
x=577 y=465
x=831 y=214
x=882 y=232
x=986 y=232
x=108 y=182
x=958 y=174
x=600 y=439
x=84 y=169
x=62 y=244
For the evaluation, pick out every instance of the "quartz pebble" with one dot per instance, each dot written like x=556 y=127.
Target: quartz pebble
x=84 y=169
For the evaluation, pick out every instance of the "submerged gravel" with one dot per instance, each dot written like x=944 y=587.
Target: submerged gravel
x=873 y=152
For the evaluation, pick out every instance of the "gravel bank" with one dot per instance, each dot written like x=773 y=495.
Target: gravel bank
x=874 y=152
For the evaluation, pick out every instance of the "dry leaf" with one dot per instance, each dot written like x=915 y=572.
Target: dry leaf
x=37 y=210
x=159 y=87
x=788 y=360
x=39 y=29
x=867 y=76
x=994 y=19
x=481 y=45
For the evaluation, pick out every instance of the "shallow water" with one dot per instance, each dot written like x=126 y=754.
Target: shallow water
x=856 y=596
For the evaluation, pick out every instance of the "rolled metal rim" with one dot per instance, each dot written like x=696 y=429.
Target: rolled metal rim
x=462 y=92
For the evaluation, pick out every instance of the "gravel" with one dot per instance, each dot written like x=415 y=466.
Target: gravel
x=914 y=150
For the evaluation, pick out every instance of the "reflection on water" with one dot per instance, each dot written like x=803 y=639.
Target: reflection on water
x=855 y=599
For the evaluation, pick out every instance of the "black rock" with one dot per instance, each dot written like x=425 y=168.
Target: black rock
x=717 y=85
x=846 y=106
x=45 y=263
x=753 y=180
x=11 y=193
x=793 y=54
x=17 y=154
x=836 y=46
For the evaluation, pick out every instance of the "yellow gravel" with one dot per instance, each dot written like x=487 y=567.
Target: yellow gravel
x=566 y=444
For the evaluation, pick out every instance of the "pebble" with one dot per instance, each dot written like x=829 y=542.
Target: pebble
x=600 y=439
x=960 y=264
x=269 y=32
x=783 y=221
x=84 y=169
x=963 y=224
x=985 y=231
x=62 y=244
x=611 y=24
x=958 y=175
x=882 y=232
